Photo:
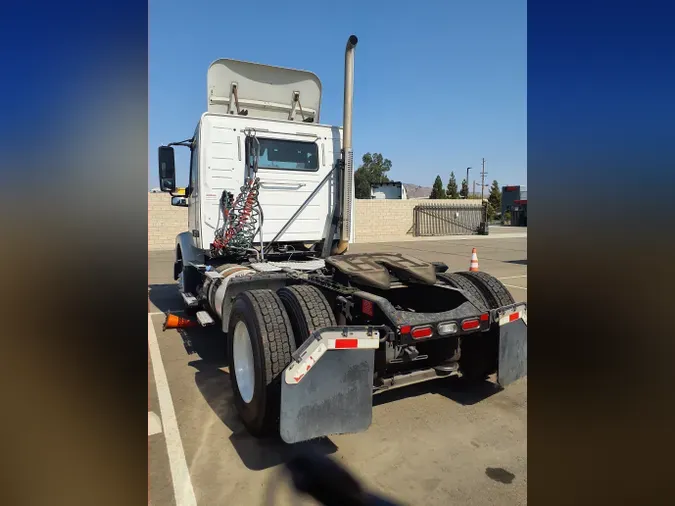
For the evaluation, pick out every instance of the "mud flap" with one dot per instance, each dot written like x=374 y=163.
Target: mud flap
x=328 y=388
x=512 y=343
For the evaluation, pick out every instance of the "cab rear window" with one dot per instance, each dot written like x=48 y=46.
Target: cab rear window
x=288 y=155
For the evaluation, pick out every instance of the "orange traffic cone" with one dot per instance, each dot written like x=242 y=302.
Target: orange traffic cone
x=176 y=322
x=474 y=261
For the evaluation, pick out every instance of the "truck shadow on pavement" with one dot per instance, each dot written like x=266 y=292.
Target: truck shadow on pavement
x=165 y=297
x=255 y=453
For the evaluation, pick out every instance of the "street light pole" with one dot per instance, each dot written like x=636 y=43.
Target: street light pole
x=467 y=182
x=482 y=180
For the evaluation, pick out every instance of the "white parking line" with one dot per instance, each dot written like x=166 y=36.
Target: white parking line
x=516 y=286
x=513 y=277
x=180 y=474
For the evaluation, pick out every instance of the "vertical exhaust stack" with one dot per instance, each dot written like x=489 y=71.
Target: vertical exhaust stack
x=347 y=153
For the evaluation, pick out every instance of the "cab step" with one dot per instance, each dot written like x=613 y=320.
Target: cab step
x=204 y=318
x=189 y=299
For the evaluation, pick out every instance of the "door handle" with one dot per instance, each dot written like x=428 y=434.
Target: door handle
x=282 y=185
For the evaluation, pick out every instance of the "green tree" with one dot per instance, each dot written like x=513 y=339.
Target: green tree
x=437 y=191
x=464 y=192
x=494 y=199
x=452 y=187
x=373 y=170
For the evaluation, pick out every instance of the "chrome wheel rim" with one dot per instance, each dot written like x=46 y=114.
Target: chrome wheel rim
x=244 y=369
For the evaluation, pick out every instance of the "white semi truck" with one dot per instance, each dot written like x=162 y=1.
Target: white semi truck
x=313 y=332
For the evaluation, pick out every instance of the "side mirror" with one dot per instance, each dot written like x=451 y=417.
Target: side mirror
x=167 y=169
x=179 y=201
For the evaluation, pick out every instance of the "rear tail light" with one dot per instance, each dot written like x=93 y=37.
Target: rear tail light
x=514 y=316
x=367 y=307
x=484 y=317
x=447 y=328
x=405 y=329
x=472 y=324
x=422 y=332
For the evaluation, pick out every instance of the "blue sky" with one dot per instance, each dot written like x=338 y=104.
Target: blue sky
x=438 y=85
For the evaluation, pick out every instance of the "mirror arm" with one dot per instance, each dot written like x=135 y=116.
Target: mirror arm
x=188 y=191
x=187 y=143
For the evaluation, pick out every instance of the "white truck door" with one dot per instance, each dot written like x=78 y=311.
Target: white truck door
x=290 y=169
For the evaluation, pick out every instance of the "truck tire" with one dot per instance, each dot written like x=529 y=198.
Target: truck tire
x=260 y=343
x=308 y=310
x=470 y=289
x=494 y=292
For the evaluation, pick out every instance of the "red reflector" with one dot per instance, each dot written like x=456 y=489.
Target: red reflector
x=367 y=307
x=484 y=317
x=470 y=324
x=514 y=316
x=405 y=329
x=421 y=332
x=346 y=343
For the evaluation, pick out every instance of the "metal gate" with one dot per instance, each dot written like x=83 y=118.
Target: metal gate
x=437 y=219
x=519 y=215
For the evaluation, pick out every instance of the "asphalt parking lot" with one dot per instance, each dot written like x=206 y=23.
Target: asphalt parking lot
x=431 y=443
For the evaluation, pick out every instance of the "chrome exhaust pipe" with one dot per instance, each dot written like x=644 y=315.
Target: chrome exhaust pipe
x=349 y=92
x=347 y=153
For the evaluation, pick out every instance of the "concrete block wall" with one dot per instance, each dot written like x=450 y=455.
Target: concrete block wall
x=375 y=220
x=165 y=221
x=390 y=220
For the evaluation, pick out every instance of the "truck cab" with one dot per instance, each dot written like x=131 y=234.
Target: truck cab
x=272 y=113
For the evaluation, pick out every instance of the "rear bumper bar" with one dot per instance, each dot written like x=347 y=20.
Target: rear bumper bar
x=323 y=340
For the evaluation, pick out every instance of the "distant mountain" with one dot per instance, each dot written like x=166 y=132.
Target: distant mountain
x=415 y=191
